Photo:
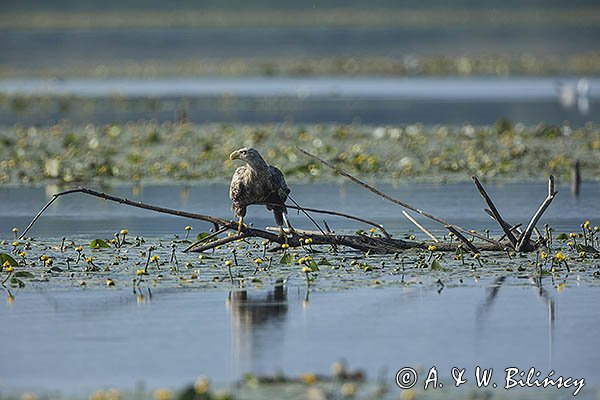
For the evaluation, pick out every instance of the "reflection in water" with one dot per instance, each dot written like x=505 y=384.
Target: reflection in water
x=492 y=294
x=252 y=330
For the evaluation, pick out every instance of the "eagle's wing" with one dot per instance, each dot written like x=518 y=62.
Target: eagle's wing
x=280 y=188
x=238 y=192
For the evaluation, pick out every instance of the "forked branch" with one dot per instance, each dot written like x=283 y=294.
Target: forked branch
x=524 y=243
x=393 y=200
x=496 y=215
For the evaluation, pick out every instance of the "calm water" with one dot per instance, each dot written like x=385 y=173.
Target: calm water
x=74 y=340
x=327 y=99
x=458 y=203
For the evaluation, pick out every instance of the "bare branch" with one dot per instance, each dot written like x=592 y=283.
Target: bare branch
x=463 y=239
x=393 y=200
x=339 y=214
x=421 y=227
x=503 y=224
x=524 y=244
x=179 y=213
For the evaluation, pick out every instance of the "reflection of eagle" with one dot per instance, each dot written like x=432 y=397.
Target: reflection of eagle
x=258 y=182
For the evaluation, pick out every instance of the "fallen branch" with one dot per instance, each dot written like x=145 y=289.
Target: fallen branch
x=214 y=220
x=205 y=239
x=371 y=244
x=338 y=214
x=463 y=239
x=393 y=200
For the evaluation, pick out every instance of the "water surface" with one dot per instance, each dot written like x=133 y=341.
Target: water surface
x=74 y=339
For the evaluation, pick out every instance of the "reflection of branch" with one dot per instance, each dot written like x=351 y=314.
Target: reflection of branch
x=491 y=295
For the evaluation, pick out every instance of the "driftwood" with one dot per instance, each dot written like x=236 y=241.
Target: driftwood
x=383 y=243
x=361 y=242
x=521 y=244
x=396 y=201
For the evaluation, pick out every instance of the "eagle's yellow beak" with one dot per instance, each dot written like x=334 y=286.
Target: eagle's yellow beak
x=235 y=155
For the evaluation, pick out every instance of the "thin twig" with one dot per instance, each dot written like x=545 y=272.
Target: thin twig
x=421 y=227
x=524 y=244
x=463 y=239
x=338 y=214
x=206 y=238
x=220 y=242
x=393 y=200
x=503 y=224
x=311 y=219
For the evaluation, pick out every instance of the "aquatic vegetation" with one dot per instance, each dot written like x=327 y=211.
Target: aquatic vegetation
x=186 y=152
x=161 y=262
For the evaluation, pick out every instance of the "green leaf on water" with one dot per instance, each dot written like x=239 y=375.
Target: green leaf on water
x=287 y=258
x=5 y=257
x=313 y=266
x=587 y=249
x=56 y=269
x=562 y=236
x=436 y=266
x=98 y=244
x=324 y=261
x=23 y=274
x=203 y=235
x=16 y=282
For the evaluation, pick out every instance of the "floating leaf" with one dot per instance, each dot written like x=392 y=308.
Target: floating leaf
x=562 y=236
x=16 y=282
x=56 y=269
x=313 y=266
x=203 y=235
x=23 y=274
x=324 y=261
x=5 y=257
x=587 y=249
x=287 y=258
x=98 y=243
x=436 y=266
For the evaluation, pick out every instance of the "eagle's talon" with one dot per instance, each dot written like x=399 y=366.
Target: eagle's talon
x=241 y=225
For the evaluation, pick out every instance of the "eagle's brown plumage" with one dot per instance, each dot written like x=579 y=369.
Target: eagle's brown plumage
x=257 y=182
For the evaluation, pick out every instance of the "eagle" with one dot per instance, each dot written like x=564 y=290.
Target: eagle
x=257 y=183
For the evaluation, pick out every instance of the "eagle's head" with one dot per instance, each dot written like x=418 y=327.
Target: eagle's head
x=248 y=154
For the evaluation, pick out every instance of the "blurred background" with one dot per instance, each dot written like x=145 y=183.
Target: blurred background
x=379 y=61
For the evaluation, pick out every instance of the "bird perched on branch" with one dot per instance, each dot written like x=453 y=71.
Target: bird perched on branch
x=255 y=183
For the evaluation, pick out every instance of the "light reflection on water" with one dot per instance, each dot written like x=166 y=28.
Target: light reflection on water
x=74 y=340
